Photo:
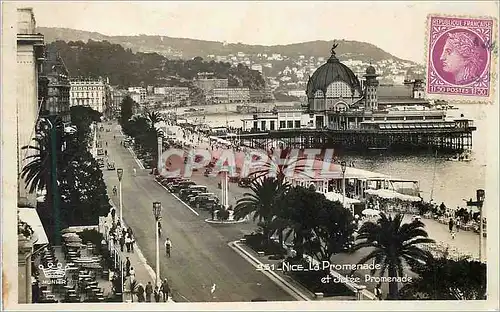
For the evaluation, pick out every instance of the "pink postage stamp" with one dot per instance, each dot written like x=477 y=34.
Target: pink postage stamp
x=461 y=55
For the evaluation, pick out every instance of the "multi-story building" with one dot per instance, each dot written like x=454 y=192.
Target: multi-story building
x=135 y=96
x=176 y=94
x=257 y=67
x=118 y=96
x=207 y=82
x=260 y=96
x=29 y=54
x=88 y=92
x=54 y=86
x=231 y=95
x=142 y=93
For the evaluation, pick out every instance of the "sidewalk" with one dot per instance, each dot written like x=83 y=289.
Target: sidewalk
x=144 y=273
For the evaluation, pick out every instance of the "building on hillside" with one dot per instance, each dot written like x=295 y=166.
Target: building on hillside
x=30 y=55
x=207 y=82
x=88 y=92
x=257 y=67
x=142 y=93
x=261 y=96
x=136 y=97
x=230 y=95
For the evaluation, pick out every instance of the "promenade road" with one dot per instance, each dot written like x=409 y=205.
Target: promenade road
x=200 y=254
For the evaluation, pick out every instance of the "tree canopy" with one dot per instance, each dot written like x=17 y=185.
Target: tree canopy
x=125 y=68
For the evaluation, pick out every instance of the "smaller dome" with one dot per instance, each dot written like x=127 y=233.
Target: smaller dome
x=370 y=70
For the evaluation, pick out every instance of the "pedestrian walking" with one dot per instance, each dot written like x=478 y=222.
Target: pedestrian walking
x=114 y=190
x=149 y=292
x=378 y=292
x=453 y=235
x=132 y=274
x=127 y=242
x=450 y=225
x=168 y=246
x=457 y=226
x=122 y=242
x=134 y=172
x=156 y=294
x=132 y=242
x=127 y=266
x=165 y=289
x=106 y=144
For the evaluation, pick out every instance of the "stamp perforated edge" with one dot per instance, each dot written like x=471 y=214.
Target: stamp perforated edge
x=458 y=99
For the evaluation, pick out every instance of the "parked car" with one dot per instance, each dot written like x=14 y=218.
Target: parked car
x=167 y=180
x=177 y=186
x=205 y=201
x=201 y=188
x=190 y=193
x=100 y=152
x=200 y=196
x=244 y=182
x=183 y=185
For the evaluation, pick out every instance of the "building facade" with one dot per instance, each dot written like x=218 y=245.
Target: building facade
x=88 y=92
x=207 y=82
x=142 y=93
x=117 y=99
x=30 y=56
x=54 y=87
x=230 y=95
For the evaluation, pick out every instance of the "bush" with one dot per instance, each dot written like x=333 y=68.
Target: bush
x=223 y=214
x=258 y=242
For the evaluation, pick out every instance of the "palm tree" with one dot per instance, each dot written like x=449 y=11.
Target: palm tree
x=263 y=203
x=394 y=243
x=36 y=173
x=280 y=168
x=154 y=117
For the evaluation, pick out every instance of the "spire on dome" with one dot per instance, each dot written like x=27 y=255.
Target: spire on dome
x=334 y=46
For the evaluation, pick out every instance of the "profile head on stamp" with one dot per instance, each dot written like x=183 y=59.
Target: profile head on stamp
x=462 y=56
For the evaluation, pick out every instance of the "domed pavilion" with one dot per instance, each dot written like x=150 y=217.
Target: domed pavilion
x=332 y=88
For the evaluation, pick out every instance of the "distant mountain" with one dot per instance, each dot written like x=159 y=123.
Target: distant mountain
x=188 y=48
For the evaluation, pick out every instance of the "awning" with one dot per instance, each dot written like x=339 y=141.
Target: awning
x=30 y=216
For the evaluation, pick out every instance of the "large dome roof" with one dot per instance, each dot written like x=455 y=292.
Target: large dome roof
x=329 y=72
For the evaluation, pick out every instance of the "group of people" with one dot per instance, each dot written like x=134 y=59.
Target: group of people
x=123 y=236
x=158 y=293
x=454 y=226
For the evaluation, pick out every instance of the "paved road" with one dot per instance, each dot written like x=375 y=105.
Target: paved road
x=200 y=254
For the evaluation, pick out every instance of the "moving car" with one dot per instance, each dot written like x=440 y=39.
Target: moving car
x=111 y=165
x=100 y=162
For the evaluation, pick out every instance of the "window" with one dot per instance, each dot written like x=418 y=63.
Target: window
x=297 y=123
x=272 y=125
x=282 y=125
x=263 y=125
x=289 y=124
x=255 y=125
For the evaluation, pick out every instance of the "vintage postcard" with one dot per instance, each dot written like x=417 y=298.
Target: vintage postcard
x=249 y=155
x=462 y=53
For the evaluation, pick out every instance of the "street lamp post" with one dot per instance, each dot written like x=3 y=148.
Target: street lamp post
x=157 y=215
x=343 y=166
x=160 y=151
x=119 y=172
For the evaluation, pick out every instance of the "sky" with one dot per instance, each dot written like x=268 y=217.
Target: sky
x=396 y=27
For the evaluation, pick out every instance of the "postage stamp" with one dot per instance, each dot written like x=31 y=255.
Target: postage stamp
x=461 y=57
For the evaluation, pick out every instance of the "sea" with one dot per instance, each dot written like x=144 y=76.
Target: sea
x=451 y=182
